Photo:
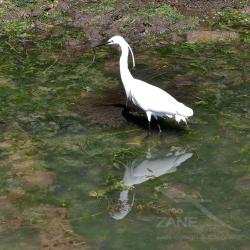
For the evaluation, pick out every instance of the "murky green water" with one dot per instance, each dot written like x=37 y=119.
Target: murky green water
x=187 y=189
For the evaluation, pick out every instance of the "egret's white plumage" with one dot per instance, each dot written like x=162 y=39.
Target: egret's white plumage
x=153 y=100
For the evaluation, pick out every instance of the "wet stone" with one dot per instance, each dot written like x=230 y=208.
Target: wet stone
x=246 y=10
x=243 y=183
x=10 y=218
x=73 y=43
x=57 y=233
x=210 y=36
x=176 y=39
x=179 y=246
x=22 y=165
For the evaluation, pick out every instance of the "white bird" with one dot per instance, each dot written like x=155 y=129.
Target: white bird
x=153 y=100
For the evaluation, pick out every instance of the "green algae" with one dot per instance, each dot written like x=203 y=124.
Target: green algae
x=233 y=20
x=40 y=121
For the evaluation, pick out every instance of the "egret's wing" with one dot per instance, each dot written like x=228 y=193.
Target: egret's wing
x=152 y=98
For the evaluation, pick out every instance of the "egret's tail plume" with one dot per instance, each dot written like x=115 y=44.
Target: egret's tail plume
x=184 y=110
x=183 y=113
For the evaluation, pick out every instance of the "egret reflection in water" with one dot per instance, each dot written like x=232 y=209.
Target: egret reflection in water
x=142 y=171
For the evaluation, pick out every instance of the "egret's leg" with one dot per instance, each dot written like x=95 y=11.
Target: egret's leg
x=158 y=124
x=159 y=127
x=149 y=129
x=149 y=120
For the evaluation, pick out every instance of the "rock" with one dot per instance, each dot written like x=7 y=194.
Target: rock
x=177 y=193
x=82 y=19
x=57 y=233
x=41 y=179
x=246 y=247
x=111 y=66
x=246 y=10
x=41 y=27
x=63 y=6
x=73 y=43
x=243 y=183
x=210 y=36
x=16 y=194
x=93 y=35
x=107 y=19
x=174 y=38
x=10 y=218
x=22 y=165
x=157 y=25
x=179 y=245
x=36 y=13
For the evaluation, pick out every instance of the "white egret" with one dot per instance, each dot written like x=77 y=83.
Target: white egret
x=153 y=100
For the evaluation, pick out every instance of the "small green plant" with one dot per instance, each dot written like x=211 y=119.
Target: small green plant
x=233 y=20
x=164 y=10
x=122 y=157
x=232 y=17
x=18 y=28
x=113 y=183
x=2 y=13
x=99 y=8
x=22 y=3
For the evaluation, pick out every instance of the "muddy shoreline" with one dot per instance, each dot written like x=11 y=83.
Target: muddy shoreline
x=83 y=24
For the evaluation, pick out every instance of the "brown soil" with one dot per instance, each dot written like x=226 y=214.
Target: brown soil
x=40 y=179
x=243 y=183
x=10 y=218
x=56 y=232
x=54 y=229
x=211 y=36
x=201 y=8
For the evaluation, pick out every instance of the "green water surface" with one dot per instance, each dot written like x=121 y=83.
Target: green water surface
x=201 y=202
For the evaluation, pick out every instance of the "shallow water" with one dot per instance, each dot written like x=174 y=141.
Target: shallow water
x=186 y=189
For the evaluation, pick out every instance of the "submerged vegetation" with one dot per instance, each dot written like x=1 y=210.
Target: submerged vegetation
x=66 y=140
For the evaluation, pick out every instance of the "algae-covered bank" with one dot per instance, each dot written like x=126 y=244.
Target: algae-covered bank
x=76 y=168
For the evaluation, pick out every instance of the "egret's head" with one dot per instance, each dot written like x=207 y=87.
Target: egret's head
x=116 y=40
x=119 y=41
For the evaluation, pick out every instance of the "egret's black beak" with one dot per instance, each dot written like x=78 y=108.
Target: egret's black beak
x=102 y=44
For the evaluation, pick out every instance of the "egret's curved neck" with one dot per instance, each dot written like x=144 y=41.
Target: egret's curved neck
x=124 y=71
